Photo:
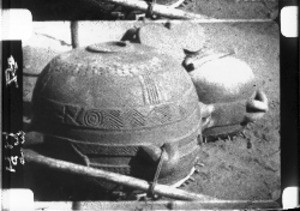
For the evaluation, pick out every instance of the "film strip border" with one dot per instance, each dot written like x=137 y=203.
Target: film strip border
x=289 y=102
x=12 y=158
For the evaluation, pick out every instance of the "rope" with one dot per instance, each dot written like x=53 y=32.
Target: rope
x=157 y=173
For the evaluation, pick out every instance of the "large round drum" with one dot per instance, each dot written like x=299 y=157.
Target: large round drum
x=121 y=107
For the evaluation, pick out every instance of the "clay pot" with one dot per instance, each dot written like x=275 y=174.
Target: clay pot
x=227 y=87
x=121 y=107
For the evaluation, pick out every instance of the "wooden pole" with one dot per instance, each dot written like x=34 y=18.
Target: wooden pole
x=74 y=34
x=163 y=190
x=161 y=10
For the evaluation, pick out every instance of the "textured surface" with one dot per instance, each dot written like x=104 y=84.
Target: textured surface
x=119 y=94
x=246 y=167
x=233 y=9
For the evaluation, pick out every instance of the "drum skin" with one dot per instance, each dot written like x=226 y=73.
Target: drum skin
x=119 y=106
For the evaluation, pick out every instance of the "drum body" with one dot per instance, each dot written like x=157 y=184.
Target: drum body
x=119 y=106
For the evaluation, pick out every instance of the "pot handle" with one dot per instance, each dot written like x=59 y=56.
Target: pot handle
x=239 y=112
x=168 y=153
x=33 y=138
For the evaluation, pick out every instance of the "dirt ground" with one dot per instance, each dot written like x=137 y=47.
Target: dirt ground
x=244 y=167
x=234 y=9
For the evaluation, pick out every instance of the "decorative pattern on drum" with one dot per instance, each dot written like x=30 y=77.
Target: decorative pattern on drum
x=114 y=118
x=151 y=91
x=92 y=118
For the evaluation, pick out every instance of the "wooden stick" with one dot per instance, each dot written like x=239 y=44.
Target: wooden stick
x=163 y=190
x=74 y=34
x=158 y=9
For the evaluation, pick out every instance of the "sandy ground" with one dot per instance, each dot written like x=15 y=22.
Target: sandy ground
x=244 y=167
x=235 y=9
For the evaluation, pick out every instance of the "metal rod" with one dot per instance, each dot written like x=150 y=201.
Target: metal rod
x=163 y=190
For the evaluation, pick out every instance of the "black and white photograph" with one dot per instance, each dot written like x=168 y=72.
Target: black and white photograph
x=149 y=105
